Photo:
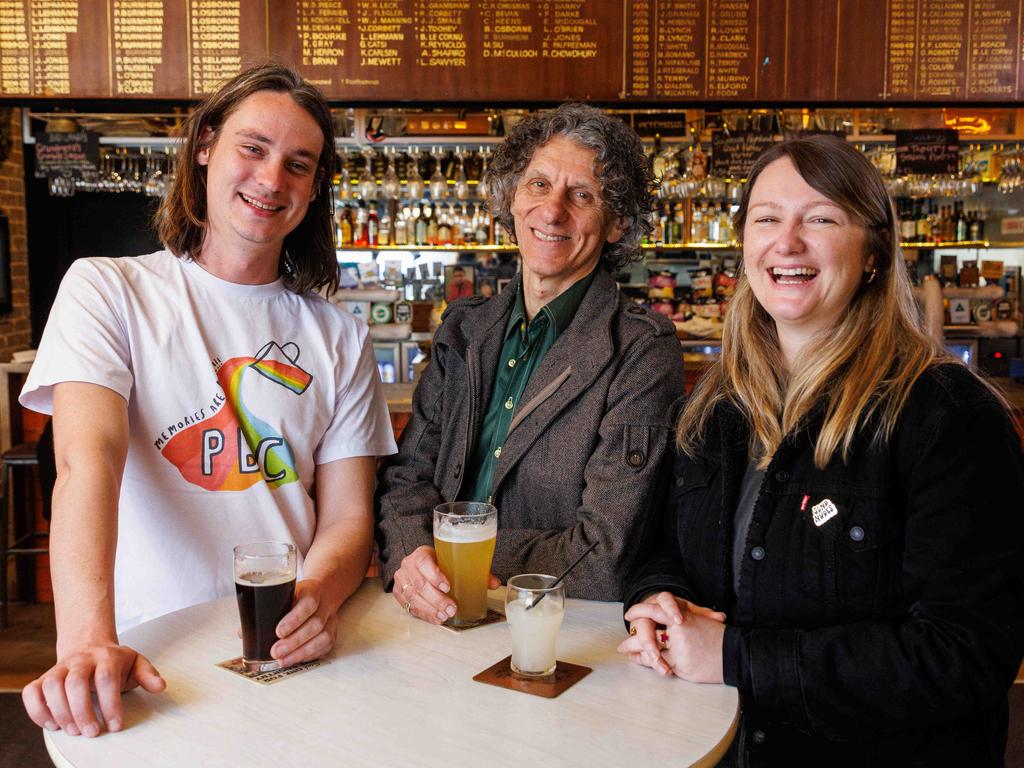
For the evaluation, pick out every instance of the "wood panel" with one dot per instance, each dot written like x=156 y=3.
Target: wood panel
x=667 y=51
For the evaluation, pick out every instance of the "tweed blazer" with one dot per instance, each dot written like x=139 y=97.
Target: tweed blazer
x=582 y=457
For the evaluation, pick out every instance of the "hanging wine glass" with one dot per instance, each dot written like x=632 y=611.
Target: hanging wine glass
x=671 y=179
x=438 y=182
x=414 y=184
x=391 y=185
x=345 y=182
x=483 y=187
x=461 y=180
x=367 y=181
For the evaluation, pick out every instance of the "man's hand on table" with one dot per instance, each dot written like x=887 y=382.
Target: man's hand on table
x=421 y=587
x=309 y=629
x=62 y=697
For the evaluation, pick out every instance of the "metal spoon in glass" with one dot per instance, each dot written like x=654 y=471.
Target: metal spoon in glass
x=561 y=576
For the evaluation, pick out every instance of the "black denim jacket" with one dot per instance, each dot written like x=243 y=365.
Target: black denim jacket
x=880 y=615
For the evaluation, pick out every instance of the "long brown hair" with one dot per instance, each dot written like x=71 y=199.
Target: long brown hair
x=862 y=370
x=308 y=260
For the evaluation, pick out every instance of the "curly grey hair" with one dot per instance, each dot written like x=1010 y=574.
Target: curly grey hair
x=620 y=165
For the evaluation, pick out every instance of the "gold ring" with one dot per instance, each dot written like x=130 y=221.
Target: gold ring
x=408 y=607
x=632 y=629
x=405 y=587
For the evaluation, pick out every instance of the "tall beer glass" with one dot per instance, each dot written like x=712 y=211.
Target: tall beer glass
x=464 y=534
x=265 y=587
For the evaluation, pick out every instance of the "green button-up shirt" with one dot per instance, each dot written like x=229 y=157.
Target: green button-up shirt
x=526 y=344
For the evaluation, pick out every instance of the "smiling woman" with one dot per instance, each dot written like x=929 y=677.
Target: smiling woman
x=858 y=489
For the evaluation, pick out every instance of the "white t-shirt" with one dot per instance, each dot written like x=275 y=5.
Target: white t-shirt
x=235 y=393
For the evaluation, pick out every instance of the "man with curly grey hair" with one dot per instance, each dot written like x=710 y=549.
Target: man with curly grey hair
x=551 y=401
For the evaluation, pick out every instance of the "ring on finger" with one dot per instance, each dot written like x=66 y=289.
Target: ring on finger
x=405 y=587
x=632 y=629
x=663 y=640
x=407 y=607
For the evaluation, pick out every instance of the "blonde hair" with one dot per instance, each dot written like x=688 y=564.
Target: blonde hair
x=862 y=370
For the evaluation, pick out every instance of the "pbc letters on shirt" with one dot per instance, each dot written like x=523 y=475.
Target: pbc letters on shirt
x=233 y=444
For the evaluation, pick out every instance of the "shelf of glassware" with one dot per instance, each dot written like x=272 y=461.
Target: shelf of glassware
x=467 y=248
x=949 y=244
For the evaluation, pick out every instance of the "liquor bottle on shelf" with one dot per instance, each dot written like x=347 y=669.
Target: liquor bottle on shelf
x=713 y=225
x=373 y=227
x=960 y=223
x=908 y=221
x=679 y=225
x=924 y=229
x=727 y=232
x=401 y=235
x=360 y=235
x=483 y=227
x=976 y=229
x=421 y=225
x=344 y=227
x=430 y=214
x=444 y=226
x=384 y=235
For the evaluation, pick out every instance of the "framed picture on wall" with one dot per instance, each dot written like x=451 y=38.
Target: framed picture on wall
x=458 y=281
x=486 y=286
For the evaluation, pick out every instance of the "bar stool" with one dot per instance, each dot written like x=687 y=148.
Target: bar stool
x=23 y=455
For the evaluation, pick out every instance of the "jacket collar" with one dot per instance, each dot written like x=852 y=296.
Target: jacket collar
x=572 y=364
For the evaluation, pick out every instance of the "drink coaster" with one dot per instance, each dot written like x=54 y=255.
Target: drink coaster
x=270 y=676
x=491 y=617
x=565 y=677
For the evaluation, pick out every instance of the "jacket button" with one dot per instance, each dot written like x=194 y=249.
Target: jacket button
x=758 y=737
x=635 y=310
x=635 y=458
x=757 y=553
x=782 y=475
x=857 y=533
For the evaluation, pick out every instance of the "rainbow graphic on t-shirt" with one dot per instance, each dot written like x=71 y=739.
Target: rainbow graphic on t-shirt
x=234 y=449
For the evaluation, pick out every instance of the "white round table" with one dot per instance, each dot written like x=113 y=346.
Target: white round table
x=399 y=692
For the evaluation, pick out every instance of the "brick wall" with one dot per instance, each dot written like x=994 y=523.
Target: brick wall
x=15 y=328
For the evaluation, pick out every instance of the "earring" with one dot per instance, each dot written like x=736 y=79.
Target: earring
x=871 y=276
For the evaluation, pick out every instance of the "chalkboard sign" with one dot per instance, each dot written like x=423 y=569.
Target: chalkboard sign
x=927 y=151
x=660 y=124
x=66 y=154
x=732 y=155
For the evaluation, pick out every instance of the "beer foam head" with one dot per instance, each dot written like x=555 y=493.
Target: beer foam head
x=264 y=578
x=465 y=533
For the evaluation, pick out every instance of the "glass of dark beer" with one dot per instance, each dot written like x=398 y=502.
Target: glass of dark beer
x=265 y=587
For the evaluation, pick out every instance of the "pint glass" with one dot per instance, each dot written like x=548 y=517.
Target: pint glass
x=265 y=587
x=464 y=534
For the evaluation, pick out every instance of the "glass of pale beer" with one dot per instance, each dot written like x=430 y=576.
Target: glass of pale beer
x=265 y=587
x=464 y=535
x=534 y=608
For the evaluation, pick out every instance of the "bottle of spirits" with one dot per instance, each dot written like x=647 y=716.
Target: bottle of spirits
x=372 y=227
x=360 y=235
x=344 y=227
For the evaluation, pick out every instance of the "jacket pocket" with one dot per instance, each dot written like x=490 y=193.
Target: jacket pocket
x=868 y=550
x=698 y=527
x=850 y=557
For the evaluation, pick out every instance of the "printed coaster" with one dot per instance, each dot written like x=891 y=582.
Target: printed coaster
x=492 y=617
x=565 y=677
x=270 y=676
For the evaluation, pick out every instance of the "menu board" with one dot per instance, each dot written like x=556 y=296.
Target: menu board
x=733 y=155
x=927 y=151
x=493 y=51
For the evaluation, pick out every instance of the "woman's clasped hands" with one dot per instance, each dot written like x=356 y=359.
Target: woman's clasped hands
x=676 y=637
